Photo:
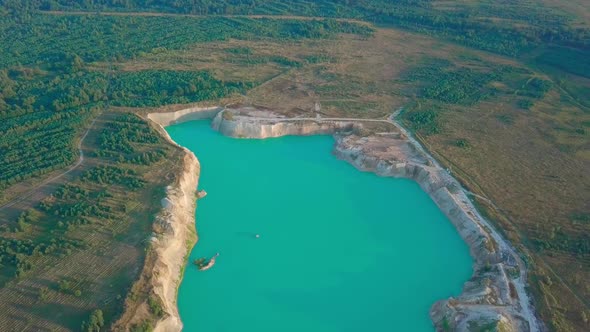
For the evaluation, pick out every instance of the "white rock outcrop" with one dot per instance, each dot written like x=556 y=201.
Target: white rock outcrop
x=177 y=219
x=195 y=113
x=177 y=222
x=260 y=127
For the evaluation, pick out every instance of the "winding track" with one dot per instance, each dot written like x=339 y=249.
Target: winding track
x=45 y=182
x=80 y=160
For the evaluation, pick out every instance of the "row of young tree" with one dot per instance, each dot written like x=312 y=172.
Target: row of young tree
x=124 y=140
x=38 y=143
x=114 y=175
x=17 y=255
x=154 y=88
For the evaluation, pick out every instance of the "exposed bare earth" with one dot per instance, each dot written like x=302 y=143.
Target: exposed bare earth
x=173 y=246
x=195 y=113
x=496 y=292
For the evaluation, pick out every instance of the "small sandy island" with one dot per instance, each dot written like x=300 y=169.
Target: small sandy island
x=496 y=292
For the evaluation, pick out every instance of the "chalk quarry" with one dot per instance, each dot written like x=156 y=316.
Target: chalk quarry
x=496 y=292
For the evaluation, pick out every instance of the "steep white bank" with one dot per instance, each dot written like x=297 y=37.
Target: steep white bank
x=195 y=113
x=177 y=220
x=246 y=127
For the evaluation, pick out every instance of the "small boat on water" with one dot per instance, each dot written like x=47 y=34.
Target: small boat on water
x=202 y=263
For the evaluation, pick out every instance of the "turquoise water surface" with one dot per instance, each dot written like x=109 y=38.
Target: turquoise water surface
x=339 y=249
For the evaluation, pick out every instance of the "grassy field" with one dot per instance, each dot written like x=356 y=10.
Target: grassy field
x=513 y=129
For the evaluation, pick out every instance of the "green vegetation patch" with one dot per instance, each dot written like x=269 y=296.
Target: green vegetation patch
x=37 y=143
x=41 y=113
x=155 y=88
x=560 y=240
x=18 y=253
x=239 y=50
x=521 y=28
x=319 y=58
x=262 y=59
x=85 y=241
x=114 y=175
x=573 y=61
x=125 y=138
x=448 y=84
x=423 y=121
x=95 y=322
x=99 y=38
x=535 y=88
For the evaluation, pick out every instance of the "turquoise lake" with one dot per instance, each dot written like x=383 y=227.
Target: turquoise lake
x=339 y=249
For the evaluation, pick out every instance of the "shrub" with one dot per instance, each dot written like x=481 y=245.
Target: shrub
x=146 y=326
x=462 y=143
x=525 y=104
x=95 y=322
x=43 y=294
x=424 y=121
x=155 y=307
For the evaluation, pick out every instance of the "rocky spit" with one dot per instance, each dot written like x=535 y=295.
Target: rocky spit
x=494 y=296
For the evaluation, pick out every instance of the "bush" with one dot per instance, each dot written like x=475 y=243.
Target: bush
x=524 y=104
x=95 y=322
x=536 y=88
x=43 y=294
x=462 y=143
x=64 y=286
x=424 y=121
x=146 y=326
x=155 y=307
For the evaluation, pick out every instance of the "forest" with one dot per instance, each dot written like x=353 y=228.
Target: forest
x=461 y=23
x=155 y=88
x=466 y=87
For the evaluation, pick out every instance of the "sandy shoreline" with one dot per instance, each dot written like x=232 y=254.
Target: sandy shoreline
x=495 y=293
x=173 y=247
